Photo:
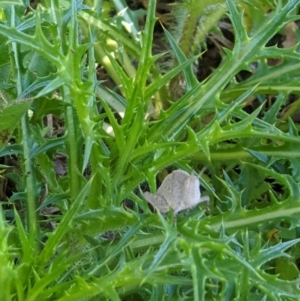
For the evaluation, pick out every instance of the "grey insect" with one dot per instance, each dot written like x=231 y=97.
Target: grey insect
x=178 y=191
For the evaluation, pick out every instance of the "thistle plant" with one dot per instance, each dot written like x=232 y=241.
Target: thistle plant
x=105 y=243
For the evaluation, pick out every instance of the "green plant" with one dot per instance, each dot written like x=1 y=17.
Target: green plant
x=243 y=247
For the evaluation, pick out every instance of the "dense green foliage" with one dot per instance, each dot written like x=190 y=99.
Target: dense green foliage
x=243 y=246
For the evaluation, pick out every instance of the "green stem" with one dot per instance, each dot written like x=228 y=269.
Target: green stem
x=72 y=137
x=72 y=146
x=29 y=174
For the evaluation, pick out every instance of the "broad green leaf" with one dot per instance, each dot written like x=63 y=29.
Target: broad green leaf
x=10 y=116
